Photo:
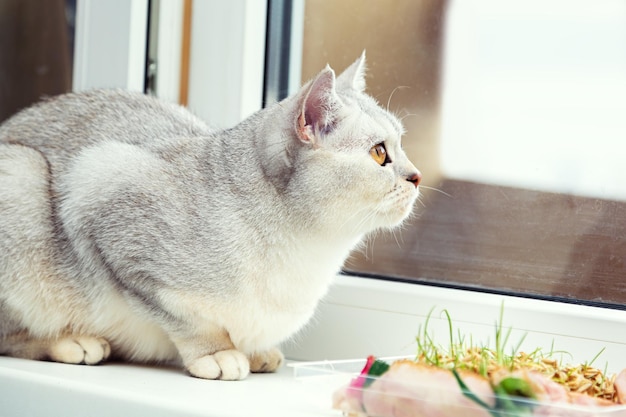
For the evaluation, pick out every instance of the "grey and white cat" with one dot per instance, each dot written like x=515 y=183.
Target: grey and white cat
x=128 y=228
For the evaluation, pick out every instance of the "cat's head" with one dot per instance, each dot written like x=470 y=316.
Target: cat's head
x=345 y=156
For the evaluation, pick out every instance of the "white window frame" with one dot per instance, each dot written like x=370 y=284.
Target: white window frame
x=168 y=49
x=226 y=71
x=359 y=316
x=105 y=58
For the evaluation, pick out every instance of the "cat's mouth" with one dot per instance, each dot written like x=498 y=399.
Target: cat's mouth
x=398 y=204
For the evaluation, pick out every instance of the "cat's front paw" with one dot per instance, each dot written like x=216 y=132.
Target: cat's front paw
x=86 y=350
x=228 y=365
x=268 y=361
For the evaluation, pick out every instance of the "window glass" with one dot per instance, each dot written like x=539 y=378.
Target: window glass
x=514 y=114
x=36 y=46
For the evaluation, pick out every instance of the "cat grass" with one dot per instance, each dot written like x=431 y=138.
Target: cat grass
x=463 y=354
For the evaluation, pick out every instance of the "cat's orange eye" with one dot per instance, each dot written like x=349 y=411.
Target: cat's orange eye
x=379 y=153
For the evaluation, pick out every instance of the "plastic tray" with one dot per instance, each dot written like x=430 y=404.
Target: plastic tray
x=422 y=399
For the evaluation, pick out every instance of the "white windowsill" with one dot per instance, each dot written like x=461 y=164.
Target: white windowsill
x=31 y=388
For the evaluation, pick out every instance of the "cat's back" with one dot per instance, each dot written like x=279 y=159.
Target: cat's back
x=66 y=123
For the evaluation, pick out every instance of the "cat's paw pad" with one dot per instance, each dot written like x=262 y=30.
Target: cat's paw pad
x=87 y=350
x=268 y=361
x=228 y=365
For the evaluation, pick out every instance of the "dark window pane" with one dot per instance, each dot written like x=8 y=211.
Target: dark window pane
x=36 y=42
x=508 y=240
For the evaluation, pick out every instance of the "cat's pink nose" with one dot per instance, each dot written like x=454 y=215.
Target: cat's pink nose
x=415 y=178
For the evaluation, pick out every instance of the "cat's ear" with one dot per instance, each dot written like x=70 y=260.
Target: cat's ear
x=318 y=107
x=354 y=76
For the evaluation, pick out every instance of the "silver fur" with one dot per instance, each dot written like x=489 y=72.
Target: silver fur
x=130 y=228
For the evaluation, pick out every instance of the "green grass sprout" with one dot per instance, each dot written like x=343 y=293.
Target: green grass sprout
x=463 y=353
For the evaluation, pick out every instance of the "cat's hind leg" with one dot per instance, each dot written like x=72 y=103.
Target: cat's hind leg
x=87 y=350
x=266 y=361
x=38 y=300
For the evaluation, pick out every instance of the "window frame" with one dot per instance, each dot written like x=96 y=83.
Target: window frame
x=226 y=78
x=354 y=318
x=105 y=58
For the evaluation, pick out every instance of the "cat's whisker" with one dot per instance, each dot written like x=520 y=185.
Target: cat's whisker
x=393 y=92
x=369 y=246
x=349 y=219
x=437 y=189
x=419 y=200
x=363 y=247
x=407 y=115
x=364 y=220
x=366 y=216
x=395 y=237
